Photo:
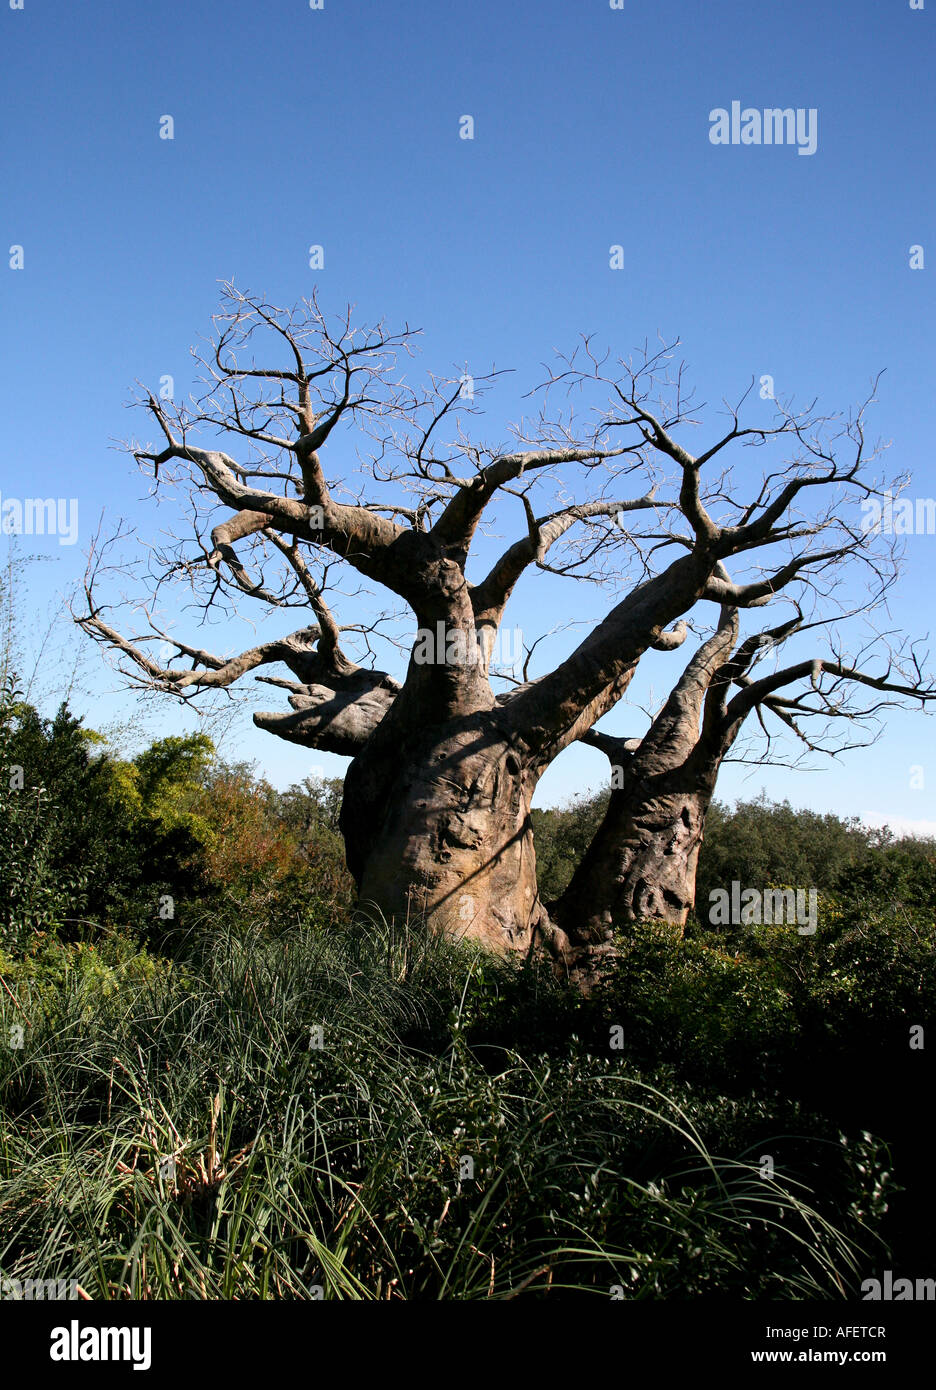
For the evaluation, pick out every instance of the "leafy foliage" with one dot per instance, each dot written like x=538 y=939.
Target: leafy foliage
x=764 y=842
x=467 y=1128
x=179 y=1137
x=156 y=843
x=561 y=837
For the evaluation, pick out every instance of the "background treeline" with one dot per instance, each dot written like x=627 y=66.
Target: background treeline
x=107 y=838
x=169 y=837
x=219 y=1080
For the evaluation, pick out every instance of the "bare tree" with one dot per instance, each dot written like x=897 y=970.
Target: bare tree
x=436 y=812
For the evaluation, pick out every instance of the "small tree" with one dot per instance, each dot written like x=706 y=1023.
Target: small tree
x=436 y=808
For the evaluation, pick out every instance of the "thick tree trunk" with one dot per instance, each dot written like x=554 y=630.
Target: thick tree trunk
x=437 y=829
x=642 y=863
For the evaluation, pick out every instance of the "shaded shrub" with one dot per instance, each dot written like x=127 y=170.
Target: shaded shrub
x=187 y=1136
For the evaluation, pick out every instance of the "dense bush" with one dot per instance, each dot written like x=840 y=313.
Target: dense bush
x=761 y=842
x=171 y=837
x=89 y=840
x=180 y=1137
x=174 y=1124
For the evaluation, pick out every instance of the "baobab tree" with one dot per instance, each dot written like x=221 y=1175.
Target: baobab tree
x=445 y=761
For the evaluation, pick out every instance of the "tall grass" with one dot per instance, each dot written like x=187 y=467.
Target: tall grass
x=174 y=1130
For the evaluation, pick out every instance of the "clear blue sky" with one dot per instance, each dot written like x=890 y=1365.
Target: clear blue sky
x=340 y=127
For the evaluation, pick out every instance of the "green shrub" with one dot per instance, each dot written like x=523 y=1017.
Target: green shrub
x=177 y=1136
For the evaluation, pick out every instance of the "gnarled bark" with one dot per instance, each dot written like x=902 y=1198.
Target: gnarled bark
x=437 y=829
x=642 y=861
x=641 y=865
